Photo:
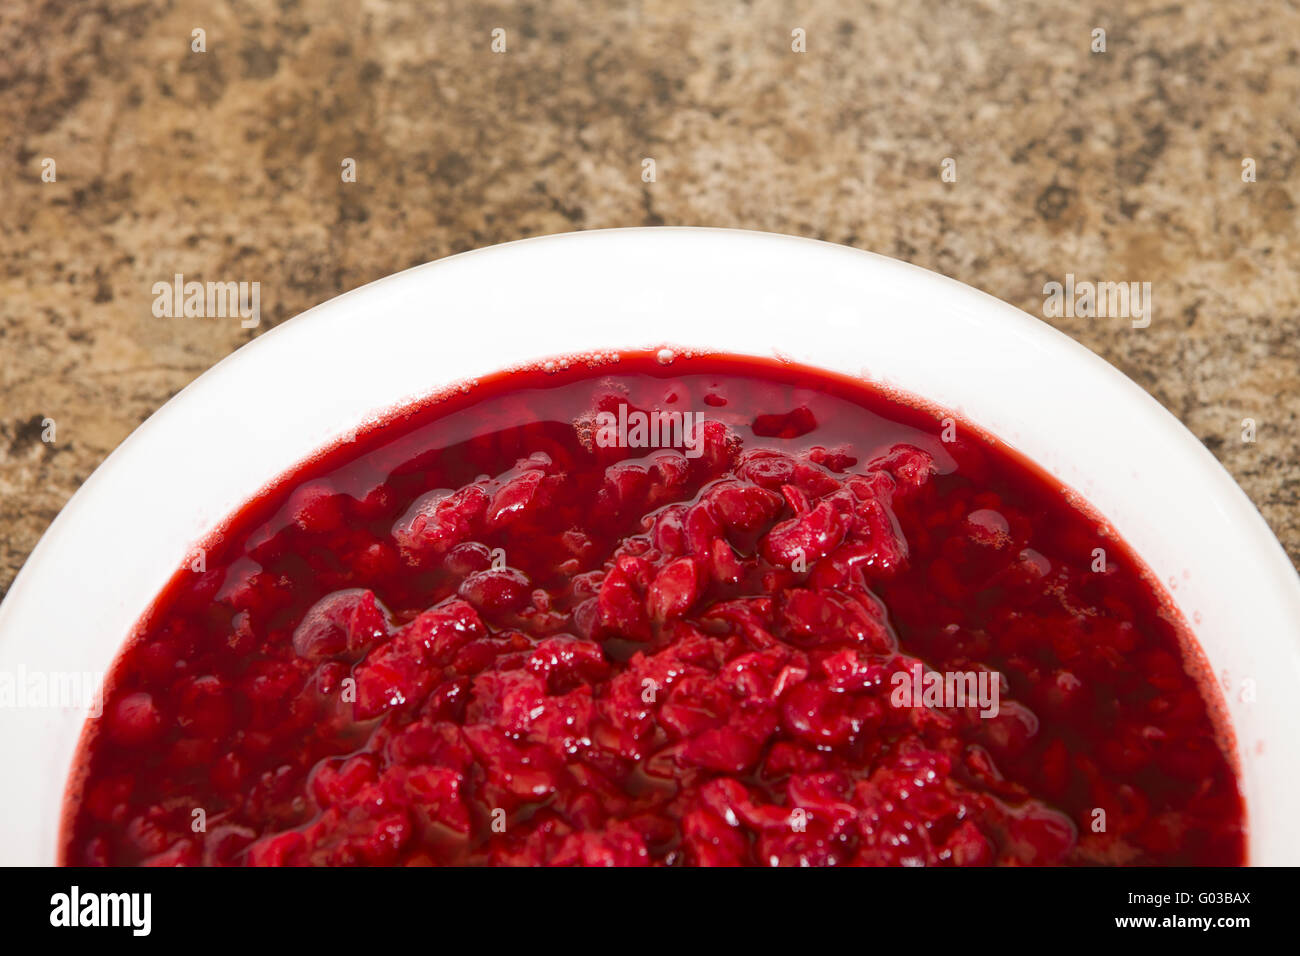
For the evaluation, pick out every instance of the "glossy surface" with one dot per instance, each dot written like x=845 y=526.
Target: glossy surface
x=637 y=674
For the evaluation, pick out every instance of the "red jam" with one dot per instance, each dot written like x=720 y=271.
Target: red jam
x=546 y=622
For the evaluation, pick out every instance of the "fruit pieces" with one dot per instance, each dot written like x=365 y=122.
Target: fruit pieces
x=521 y=650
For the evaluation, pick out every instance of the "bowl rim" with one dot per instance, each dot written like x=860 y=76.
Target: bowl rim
x=613 y=261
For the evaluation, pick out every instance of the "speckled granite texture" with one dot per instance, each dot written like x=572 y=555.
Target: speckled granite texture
x=1123 y=165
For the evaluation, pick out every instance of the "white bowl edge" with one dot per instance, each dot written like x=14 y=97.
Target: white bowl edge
x=218 y=442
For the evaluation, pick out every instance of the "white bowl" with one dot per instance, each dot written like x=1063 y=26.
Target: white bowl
x=312 y=380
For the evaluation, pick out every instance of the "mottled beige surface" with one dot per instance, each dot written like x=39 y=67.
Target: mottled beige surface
x=225 y=165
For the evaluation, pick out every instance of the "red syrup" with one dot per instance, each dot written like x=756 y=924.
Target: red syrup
x=490 y=632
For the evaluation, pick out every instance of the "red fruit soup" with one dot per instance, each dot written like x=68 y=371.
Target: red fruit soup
x=712 y=611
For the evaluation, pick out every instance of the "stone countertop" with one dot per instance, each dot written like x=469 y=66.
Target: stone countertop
x=1123 y=165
